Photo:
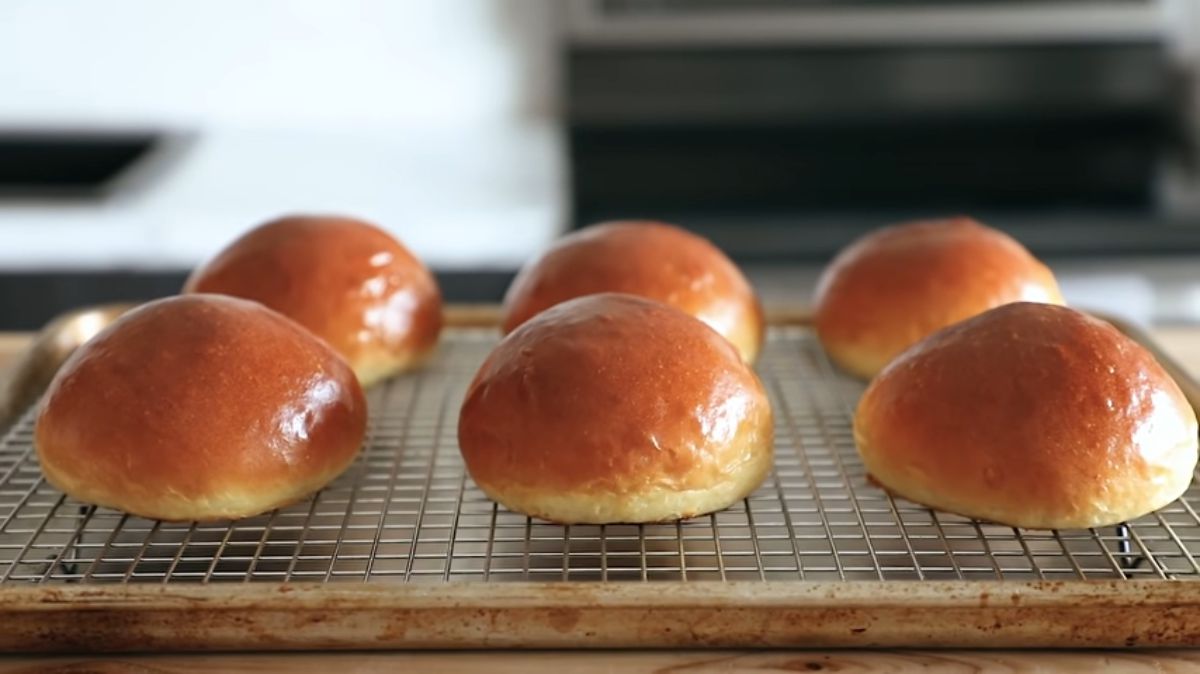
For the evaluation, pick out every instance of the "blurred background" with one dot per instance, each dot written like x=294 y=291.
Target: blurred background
x=138 y=137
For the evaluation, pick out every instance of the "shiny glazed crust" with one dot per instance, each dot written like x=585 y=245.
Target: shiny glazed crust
x=614 y=408
x=896 y=285
x=1030 y=415
x=349 y=282
x=649 y=259
x=199 y=407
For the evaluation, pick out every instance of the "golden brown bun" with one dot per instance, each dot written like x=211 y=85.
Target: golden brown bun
x=648 y=259
x=199 y=407
x=347 y=281
x=896 y=285
x=614 y=408
x=1030 y=415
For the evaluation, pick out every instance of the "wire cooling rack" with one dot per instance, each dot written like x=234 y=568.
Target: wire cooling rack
x=406 y=512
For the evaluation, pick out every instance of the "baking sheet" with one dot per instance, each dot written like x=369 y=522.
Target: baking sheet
x=406 y=523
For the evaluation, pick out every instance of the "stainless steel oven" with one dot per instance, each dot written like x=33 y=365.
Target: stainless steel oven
x=660 y=23
x=786 y=127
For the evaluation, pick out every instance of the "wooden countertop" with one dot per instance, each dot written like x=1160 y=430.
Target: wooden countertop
x=1182 y=343
x=627 y=662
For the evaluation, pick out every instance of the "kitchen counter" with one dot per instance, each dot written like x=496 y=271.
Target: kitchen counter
x=1183 y=343
x=625 y=662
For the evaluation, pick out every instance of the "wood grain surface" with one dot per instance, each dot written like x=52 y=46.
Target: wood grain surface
x=630 y=662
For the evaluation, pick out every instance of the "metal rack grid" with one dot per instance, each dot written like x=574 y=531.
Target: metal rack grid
x=407 y=512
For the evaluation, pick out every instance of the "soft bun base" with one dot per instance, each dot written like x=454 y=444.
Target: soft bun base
x=174 y=507
x=1122 y=504
x=896 y=285
x=1029 y=415
x=378 y=365
x=867 y=355
x=863 y=362
x=652 y=504
x=347 y=281
x=747 y=336
x=648 y=259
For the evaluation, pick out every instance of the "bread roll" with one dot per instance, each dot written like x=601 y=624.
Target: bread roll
x=614 y=408
x=898 y=284
x=1029 y=415
x=199 y=407
x=648 y=259
x=347 y=281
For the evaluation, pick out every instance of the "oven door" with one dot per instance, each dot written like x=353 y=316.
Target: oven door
x=786 y=128
x=660 y=23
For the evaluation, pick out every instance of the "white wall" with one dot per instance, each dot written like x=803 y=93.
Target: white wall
x=436 y=118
